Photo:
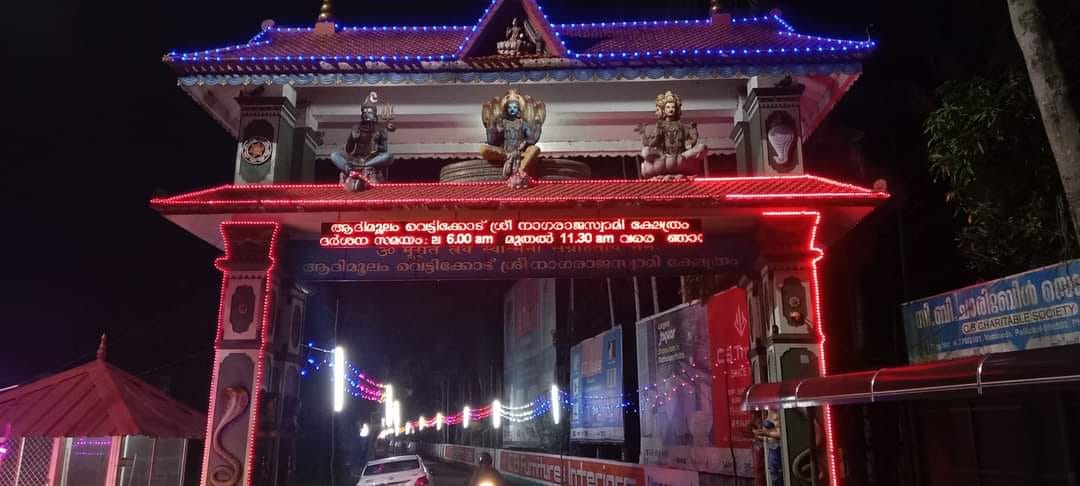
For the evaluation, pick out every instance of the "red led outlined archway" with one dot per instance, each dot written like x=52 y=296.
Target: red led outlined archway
x=734 y=191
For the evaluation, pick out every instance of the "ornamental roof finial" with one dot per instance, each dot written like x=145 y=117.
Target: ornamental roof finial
x=718 y=11
x=325 y=24
x=101 y=349
x=326 y=12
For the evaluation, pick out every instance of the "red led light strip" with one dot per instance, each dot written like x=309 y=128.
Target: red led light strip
x=214 y=373
x=837 y=192
x=830 y=444
x=256 y=393
x=268 y=187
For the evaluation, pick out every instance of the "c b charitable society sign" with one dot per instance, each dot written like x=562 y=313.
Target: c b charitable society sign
x=1035 y=309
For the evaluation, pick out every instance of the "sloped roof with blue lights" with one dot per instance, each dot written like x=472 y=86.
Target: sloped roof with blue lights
x=720 y=40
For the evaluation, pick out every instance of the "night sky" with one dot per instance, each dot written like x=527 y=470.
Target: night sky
x=98 y=127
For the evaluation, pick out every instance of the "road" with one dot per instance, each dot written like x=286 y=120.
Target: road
x=448 y=474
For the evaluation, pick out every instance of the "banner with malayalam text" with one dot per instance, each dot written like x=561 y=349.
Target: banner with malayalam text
x=308 y=260
x=1035 y=309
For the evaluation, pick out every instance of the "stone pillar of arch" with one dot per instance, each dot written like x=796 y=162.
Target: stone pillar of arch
x=254 y=387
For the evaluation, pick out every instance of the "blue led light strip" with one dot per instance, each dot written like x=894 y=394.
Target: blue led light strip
x=827 y=46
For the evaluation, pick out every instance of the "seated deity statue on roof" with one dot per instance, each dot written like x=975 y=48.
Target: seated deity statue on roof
x=513 y=128
x=671 y=145
x=515 y=40
x=367 y=152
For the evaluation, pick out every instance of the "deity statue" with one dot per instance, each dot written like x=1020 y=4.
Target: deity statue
x=367 y=152
x=515 y=40
x=513 y=127
x=671 y=145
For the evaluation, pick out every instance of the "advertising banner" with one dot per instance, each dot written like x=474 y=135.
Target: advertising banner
x=596 y=386
x=578 y=471
x=529 y=359
x=536 y=467
x=463 y=454
x=692 y=370
x=675 y=402
x=729 y=337
x=1034 y=309
x=308 y=260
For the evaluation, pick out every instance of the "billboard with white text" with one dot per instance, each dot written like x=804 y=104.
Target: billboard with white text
x=596 y=379
x=1035 y=309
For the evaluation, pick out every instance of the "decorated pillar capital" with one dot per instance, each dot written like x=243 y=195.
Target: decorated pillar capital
x=787 y=271
x=268 y=149
x=249 y=246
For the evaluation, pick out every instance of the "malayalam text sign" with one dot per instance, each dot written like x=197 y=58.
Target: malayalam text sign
x=512 y=232
x=308 y=260
x=1035 y=309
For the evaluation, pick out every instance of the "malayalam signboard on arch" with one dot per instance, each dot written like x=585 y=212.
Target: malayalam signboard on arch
x=511 y=248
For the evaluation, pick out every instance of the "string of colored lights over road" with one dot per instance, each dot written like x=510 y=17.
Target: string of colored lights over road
x=349 y=380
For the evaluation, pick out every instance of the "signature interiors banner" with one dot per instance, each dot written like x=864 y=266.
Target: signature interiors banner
x=596 y=382
x=1035 y=309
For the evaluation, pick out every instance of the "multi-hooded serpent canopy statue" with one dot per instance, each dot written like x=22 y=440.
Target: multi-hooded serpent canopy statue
x=513 y=124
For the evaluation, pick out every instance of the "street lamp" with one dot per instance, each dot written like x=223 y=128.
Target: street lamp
x=339 y=379
x=388 y=400
x=555 y=402
x=396 y=414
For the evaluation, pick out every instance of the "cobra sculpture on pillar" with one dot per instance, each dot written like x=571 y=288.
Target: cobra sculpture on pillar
x=236 y=403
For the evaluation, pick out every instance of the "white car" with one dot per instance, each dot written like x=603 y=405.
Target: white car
x=396 y=471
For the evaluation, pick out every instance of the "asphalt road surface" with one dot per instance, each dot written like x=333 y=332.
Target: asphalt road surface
x=448 y=474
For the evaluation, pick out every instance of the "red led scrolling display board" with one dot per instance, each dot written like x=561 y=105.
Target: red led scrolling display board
x=607 y=233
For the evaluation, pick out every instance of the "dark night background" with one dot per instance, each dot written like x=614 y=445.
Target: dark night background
x=98 y=127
